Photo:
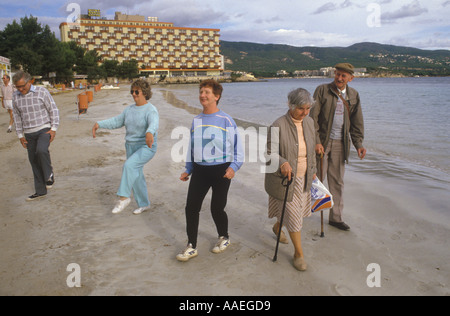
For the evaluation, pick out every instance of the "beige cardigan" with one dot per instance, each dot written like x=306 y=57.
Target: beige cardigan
x=285 y=149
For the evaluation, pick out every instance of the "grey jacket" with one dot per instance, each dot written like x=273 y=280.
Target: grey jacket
x=285 y=149
x=323 y=115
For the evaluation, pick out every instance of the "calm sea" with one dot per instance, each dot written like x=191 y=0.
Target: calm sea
x=407 y=121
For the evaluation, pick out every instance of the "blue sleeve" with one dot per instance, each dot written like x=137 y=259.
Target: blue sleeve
x=113 y=123
x=239 y=154
x=190 y=154
x=153 y=122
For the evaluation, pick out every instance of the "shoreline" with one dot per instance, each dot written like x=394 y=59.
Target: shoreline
x=185 y=81
x=135 y=255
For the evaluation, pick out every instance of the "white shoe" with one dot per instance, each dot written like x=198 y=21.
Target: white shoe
x=121 y=205
x=141 y=210
x=187 y=254
x=221 y=245
x=50 y=182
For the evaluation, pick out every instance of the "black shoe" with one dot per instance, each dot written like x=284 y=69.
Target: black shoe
x=50 y=182
x=341 y=226
x=35 y=197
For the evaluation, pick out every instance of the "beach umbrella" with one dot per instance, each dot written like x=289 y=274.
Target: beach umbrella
x=286 y=183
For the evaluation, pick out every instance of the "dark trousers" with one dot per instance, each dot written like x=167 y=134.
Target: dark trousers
x=39 y=156
x=203 y=178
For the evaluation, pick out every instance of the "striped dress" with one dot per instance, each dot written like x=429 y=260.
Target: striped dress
x=299 y=208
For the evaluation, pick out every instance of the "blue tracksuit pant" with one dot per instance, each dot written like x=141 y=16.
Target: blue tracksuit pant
x=133 y=179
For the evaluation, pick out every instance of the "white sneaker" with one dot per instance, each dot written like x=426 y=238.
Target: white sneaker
x=187 y=254
x=50 y=182
x=121 y=205
x=221 y=245
x=141 y=210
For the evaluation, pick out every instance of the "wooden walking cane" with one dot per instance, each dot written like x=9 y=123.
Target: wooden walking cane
x=322 y=234
x=286 y=183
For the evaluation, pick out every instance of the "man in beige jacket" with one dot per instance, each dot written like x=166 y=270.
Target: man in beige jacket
x=338 y=116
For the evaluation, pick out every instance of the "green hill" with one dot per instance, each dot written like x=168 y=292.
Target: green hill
x=269 y=58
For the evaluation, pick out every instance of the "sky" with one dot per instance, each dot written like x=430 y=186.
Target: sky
x=318 y=23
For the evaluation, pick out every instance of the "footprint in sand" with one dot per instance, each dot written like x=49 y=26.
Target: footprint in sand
x=341 y=290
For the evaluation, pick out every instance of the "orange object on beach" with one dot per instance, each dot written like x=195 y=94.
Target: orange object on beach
x=90 y=95
x=83 y=103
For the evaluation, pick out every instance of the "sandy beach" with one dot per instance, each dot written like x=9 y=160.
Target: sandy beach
x=135 y=255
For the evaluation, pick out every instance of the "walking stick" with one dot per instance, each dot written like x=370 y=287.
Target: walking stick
x=322 y=234
x=286 y=183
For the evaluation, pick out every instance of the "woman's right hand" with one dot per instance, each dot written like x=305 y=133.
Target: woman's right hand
x=184 y=177
x=94 y=129
x=286 y=170
x=320 y=150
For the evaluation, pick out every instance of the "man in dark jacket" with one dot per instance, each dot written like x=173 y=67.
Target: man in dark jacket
x=337 y=115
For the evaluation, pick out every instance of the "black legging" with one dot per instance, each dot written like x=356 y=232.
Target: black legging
x=203 y=178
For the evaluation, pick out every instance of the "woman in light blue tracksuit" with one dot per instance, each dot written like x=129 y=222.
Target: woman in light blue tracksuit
x=141 y=121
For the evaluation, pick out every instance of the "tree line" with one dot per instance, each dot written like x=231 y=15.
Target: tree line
x=35 y=49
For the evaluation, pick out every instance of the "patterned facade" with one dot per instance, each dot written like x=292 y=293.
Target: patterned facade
x=159 y=48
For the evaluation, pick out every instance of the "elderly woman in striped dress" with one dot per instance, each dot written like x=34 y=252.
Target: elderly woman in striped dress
x=293 y=145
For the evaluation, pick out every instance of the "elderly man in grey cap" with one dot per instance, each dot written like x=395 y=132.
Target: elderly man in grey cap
x=338 y=117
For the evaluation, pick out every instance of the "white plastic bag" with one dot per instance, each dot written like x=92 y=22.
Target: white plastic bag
x=321 y=198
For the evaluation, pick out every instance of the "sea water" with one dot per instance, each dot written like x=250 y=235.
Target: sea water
x=407 y=122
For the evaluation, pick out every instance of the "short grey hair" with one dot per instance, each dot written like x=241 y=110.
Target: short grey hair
x=21 y=75
x=299 y=98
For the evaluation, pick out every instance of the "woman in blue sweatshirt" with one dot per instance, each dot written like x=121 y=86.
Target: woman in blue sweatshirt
x=141 y=121
x=215 y=155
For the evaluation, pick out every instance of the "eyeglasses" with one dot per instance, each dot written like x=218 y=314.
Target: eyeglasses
x=136 y=92
x=22 y=86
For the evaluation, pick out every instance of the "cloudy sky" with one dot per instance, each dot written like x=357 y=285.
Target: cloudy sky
x=322 y=23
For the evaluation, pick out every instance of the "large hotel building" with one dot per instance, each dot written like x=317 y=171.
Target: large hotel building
x=160 y=48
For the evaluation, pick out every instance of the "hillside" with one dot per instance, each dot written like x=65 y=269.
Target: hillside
x=269 y=58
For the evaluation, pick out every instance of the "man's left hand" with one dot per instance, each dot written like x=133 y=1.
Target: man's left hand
x=52 y=135
x=362 y=153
